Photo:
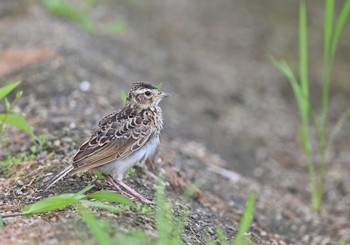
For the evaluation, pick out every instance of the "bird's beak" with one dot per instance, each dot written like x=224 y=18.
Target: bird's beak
x=163 y=94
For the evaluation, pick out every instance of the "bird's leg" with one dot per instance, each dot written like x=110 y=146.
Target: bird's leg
x=118 y=189
x=111 y=181
x=134 y=193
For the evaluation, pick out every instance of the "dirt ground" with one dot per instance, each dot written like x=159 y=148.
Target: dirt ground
x=231 y=119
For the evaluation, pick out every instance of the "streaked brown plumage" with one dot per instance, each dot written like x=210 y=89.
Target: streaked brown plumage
x=122 y=139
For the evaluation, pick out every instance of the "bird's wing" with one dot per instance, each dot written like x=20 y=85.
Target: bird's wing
x=112 y=141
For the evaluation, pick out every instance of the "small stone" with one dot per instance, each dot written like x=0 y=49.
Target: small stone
x=194 y=216
x=196 y=227
x=72 y=125
x=85 y=86
x=231 y=203
x=211 y=231
x=19 y=183
x=55 y=162
x=72 y=103
x=18 y=193
x=57 y=143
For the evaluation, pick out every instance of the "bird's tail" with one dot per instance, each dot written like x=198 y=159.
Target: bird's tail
x=58 y=177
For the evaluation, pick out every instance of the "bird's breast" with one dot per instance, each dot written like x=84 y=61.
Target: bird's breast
x=117 y=168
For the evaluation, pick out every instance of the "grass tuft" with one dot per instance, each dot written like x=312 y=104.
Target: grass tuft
x=246 y=220
x=82 y=14
x=95 y=226
x=300 y=86
x=11 y=118
x=68 y=11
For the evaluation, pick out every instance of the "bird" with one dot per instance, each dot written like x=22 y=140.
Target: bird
x=121 y=139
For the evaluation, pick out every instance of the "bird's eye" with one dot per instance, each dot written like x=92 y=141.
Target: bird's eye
x=148 y=93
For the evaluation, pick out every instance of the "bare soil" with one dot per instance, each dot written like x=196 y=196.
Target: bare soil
x=231 y=119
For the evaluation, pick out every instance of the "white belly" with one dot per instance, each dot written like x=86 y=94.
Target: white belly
x=117 y=168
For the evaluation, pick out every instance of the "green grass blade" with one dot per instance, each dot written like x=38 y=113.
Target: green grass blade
x=162 y=220
x=123 y=96
x=191 y=190
x=342 y=120
x=71 y=195
x=329 y=53
x=304 y=110
x=300 y=99
x=340 y=26
x=49 y=204
x=68 y=11
x=159 y=86
x=328 y=25
x=118 y=26
x=63 y=9
x=314 y=119
x=96 y=228
x=178 y=227
x=109 y=196
x=246 y=219
x=160 y=212
x=344 y=239
x=7 y=105
x=17 y=121
x=222 y=237
x=1 y=222
x=101 y=205
x=137 y=237
x=303 y=53
x=86 y=24
x=83 y=191
x=8 y=88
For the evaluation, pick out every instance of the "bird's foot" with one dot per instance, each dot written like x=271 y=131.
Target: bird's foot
x=134 y=193
x=129 y=193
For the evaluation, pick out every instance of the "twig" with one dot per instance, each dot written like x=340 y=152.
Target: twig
x=28 y=185
x=11 y=215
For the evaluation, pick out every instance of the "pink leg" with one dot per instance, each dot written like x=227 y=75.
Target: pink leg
x=118 y=189
x=134 y=193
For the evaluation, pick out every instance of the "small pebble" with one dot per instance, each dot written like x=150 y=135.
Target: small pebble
x=19 y=183
x=72 y=103
x=18 y=193
x=196 y=227
x=85 y=86
x=72 y=125
x=54 y=162
x=194 y=216
x=211 y=231
x=57 y=143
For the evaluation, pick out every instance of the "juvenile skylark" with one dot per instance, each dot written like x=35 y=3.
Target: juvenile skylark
x=122 y=139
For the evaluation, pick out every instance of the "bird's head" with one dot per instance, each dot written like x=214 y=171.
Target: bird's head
x=145 y=95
